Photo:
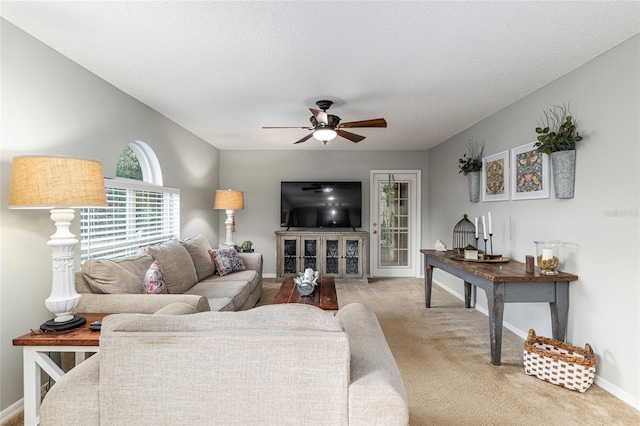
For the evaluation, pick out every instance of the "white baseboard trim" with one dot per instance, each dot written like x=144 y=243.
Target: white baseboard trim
x=18 y=407
x=604 y=384
x=269 y=275
x=11 y=411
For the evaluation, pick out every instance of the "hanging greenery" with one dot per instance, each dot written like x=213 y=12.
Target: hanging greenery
x=471 y=161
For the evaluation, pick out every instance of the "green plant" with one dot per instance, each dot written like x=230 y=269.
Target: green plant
x=471 y=161
x=557 y=131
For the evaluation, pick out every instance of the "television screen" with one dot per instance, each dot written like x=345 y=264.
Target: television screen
x=321 y=204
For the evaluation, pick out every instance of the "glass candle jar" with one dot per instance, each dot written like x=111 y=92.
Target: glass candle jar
x=548 y=256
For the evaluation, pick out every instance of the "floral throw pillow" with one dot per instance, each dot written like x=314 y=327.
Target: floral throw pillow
x=227 y=260
x=154 y=282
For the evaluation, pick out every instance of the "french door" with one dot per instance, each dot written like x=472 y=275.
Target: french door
x=395 y=225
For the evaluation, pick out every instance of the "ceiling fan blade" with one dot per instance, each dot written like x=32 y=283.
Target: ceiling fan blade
x=308 y=128
x=348 y=135
x=306 y=138
x=376 y=122
x=321 y=116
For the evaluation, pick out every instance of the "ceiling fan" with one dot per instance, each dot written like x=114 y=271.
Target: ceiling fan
x=327 y=126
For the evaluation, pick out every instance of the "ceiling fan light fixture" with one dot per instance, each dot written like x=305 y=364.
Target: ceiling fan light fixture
x=325 y=135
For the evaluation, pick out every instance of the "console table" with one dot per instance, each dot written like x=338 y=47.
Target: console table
x=503 y=283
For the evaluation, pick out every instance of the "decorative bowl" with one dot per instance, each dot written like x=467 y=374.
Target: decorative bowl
x=306 y=281
x=305 y=288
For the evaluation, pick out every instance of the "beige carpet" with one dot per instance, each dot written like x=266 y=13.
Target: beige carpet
x=443 y=355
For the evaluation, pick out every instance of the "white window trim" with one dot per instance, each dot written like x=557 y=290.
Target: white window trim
x=149 y=164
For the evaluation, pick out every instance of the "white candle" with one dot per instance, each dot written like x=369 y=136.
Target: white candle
x=476 y=227
x=490 y=231
x=484 y=227
x=547 y=254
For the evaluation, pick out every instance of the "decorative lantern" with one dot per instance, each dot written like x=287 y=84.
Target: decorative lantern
x=464 y=234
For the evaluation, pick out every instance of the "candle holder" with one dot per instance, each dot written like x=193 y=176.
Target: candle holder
x=485 y=245
x=477 y=247
x=548 y=256
x=491 y=242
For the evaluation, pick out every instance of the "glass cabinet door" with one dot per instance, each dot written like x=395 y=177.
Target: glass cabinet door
x=331 y=255
x=352 y=253
x=290 y=255
x=310 y=255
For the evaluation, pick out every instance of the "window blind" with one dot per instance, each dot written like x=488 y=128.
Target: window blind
x=137 y=215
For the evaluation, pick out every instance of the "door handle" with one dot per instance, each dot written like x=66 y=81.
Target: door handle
x=375 y=231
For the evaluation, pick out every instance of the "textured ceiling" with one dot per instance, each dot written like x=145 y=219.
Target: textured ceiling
x=222 y=70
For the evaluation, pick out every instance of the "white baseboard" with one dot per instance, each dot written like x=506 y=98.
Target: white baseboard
x=604 y=384
x=18 y=407
x=11 y=411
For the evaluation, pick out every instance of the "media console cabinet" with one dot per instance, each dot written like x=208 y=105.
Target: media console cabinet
x=337 y=254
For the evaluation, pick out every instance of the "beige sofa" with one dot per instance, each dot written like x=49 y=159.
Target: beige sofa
x=288 y=364
x=115 y=286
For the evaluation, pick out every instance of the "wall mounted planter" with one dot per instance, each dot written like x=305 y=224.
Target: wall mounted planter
x=563 y=164
x=474 y=186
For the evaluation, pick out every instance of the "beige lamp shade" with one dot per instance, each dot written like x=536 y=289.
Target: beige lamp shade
x=229 y=200
x=40 y=182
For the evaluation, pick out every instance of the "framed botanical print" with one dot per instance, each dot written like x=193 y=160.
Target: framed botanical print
x=495 y=177
x=530 y=177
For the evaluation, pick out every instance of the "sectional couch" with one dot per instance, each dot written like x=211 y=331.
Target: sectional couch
x=288 y=364
x=189 y=270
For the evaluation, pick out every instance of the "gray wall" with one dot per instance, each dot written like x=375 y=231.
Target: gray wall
x=258 y=174
x=599 y=226
x=50 y=105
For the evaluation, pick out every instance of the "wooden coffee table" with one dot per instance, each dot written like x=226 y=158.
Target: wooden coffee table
x=36 y=347
x=324 y=296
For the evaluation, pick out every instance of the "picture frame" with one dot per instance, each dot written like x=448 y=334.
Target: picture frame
x=495 y=177
x=530 y=173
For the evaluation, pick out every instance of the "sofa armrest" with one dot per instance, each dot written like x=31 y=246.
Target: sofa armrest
x=252 y=261
x=74 y=400
x=136 y=303
x=376 y=393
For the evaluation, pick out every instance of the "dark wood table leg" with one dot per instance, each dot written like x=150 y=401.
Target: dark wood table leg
x=428 y=282
x=467 y=294
x=495 y=299
x=560 y=311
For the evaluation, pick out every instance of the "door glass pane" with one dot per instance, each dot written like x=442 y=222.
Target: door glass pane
x=331 y=256
x=352 y=250
x=290 y=256
x=394 y=224
x=310 y=254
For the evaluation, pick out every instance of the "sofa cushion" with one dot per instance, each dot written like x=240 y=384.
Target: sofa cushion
x=114 y=276
x=154 y=282
x=237 y=291
x=177 y=265
x=286 y=317
x=177 y=308
x=198 y=247
x=227 y=261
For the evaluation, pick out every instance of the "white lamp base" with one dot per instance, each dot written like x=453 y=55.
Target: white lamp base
x=229 y=224
x=64 y=298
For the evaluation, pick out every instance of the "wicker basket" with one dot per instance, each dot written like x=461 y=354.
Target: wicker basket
x=559 y=363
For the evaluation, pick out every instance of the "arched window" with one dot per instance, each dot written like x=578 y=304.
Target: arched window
x=138 y=161
x=140 y=210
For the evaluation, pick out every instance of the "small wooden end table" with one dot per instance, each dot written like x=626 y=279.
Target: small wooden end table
x=35 y=347
x=324 y=296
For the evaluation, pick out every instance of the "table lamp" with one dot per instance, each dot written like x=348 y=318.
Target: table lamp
x=229 y=201
x=59 y=184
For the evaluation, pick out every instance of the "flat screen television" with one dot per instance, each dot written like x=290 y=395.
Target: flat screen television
x=321 y=204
